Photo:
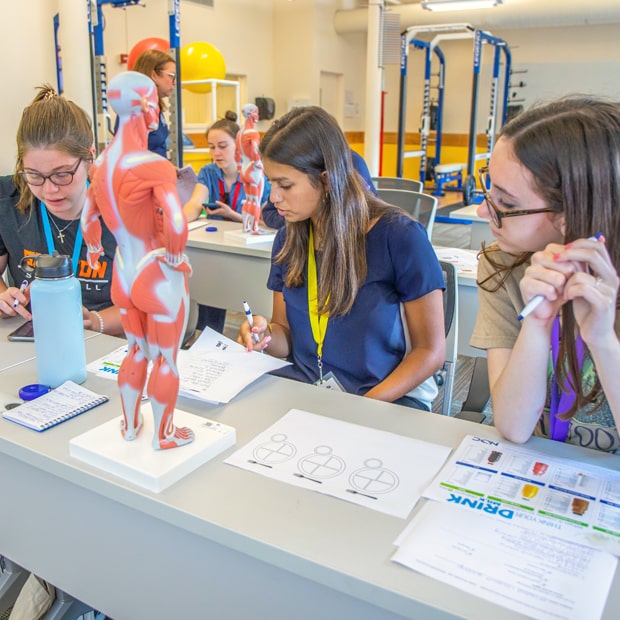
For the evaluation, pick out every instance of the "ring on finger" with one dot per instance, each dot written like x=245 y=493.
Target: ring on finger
x=598 y=282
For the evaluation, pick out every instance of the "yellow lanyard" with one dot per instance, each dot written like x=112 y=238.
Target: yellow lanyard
x=318 y=322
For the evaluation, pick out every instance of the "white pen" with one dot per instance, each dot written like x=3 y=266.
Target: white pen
x=22 y=288
x=250 y=318
x=536 y=301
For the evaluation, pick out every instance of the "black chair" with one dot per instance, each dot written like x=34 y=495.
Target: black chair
x=445 y=377
x=479 y=395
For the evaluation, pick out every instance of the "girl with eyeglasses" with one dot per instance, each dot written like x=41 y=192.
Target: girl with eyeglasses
x=41 y=205
x=548 y=285
x=161 y=68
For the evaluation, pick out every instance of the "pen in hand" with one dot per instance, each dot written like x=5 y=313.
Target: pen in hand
x=22 y=288
x=250 y=318
x=536 y=301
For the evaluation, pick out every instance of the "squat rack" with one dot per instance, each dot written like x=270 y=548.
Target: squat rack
x=445 y=32
x=99 y=79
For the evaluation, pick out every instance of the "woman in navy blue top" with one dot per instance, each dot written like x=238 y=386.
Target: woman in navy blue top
x=354 y=279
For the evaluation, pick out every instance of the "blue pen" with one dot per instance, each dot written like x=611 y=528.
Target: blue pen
x=250 y=318
x=22 y=288
x=536 y=301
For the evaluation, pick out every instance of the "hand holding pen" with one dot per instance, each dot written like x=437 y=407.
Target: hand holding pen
x=22 y=288
x=250 y=323
x=538 y=299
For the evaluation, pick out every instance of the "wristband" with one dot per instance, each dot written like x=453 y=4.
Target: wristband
x=98 y=315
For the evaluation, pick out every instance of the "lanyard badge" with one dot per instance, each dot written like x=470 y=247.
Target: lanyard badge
x=318 y=322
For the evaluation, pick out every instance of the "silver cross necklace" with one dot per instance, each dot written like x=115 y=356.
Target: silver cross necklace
x=60 y=236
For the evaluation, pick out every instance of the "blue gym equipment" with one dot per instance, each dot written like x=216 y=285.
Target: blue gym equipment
x=99 y=73
x=432 y=168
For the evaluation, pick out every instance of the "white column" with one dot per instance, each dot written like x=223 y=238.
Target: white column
x=372 y=123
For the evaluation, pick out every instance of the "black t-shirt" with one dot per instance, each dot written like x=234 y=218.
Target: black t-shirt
x=23 y=235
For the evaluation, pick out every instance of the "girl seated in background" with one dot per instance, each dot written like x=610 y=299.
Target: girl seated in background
x=342 y=268
x=555 y=372
x=218 y=183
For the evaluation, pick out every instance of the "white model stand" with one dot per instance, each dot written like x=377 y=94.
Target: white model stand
x=138 y=462
x=248 y=238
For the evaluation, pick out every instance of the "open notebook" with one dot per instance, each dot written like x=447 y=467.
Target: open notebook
x=65 y=402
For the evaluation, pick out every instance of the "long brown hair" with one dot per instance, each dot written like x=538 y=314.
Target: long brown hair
x=50 y=122
x=310 y=140
x=153 y=60
x=572 y=148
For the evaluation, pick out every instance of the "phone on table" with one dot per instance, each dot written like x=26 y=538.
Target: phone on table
x=210 y=205
x=24 y=333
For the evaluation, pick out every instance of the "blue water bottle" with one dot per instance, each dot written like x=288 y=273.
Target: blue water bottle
x=56 y=303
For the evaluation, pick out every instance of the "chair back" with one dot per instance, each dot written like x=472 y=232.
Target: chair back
x=397 y=183
x=450 y=313
x=421 y=206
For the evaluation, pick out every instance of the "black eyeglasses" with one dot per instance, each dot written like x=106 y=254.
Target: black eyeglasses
x=495 y=212
x=64 y=177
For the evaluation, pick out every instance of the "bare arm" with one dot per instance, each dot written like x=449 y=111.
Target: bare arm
x=193 y=207
x=111 y=318
x=424 y=318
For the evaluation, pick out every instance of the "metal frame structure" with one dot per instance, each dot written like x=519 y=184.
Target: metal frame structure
x=99 y=72
x=500 y=46
x=408 y=39
x=445 y=32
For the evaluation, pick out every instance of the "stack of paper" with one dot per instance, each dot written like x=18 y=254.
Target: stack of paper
x=215 y=369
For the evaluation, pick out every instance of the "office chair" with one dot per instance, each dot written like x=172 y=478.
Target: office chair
x=446 y=375
x=421 y=206
x=479 y=394
x=397 y=183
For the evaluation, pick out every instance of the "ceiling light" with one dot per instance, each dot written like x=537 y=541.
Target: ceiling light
x=458 y=5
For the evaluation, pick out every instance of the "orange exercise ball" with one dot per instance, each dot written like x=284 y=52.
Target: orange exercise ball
x=152 y=43
x=201 y=61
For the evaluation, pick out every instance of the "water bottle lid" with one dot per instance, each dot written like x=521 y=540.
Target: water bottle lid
x=49 y=267
x=32 y=391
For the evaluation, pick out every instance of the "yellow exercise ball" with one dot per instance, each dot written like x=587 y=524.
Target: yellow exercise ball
x=201 y=61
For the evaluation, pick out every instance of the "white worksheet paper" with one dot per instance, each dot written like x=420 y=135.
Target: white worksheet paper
x=582 y=501
x=366 y=466
x=508 y=563
x=465 y=261
x=215 y=369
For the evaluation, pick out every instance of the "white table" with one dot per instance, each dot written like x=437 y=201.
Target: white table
x=16 y=352
x=480 y=229
x=225 y=273
x=224 y=542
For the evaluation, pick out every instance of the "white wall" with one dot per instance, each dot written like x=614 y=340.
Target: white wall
x=559 y=60
x=24 y=66
x=281 y=47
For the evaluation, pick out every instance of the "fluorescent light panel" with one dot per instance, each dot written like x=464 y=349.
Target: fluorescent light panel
x=458 y=5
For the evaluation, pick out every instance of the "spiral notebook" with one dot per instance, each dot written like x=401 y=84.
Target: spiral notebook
x=65 y=402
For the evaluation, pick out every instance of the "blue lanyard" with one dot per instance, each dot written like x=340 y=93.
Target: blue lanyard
x=51 y=247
